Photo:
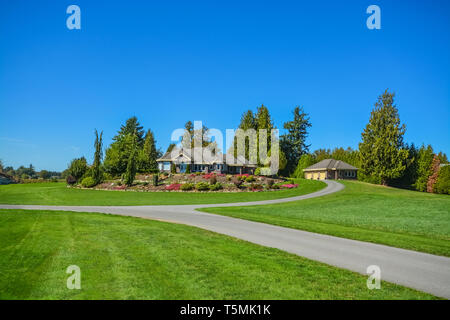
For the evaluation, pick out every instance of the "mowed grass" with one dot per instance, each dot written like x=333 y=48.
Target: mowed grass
x=59 y=194
x=400 y=218
x=131 y=258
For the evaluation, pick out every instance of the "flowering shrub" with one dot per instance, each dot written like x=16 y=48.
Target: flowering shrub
x=173 y=186
x=289 y=186
x=209 y=176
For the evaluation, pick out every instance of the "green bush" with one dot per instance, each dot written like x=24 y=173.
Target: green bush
x=202 y=186
x=187 y=186
x=216 y=186
x=258 y=172
x=78 y=168
x=250 y=179
x=155 y=180
x=88 y=182
x=442 y=184
x=188 y=168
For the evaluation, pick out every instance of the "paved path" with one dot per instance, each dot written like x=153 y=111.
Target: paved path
x=425 y=272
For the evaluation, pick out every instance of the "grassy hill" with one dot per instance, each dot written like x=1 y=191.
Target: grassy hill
x=131 y=258
x=396 y=217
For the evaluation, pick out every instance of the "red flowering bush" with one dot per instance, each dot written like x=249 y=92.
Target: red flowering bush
x=173 y=186
x=289 y=186
x=209 y=176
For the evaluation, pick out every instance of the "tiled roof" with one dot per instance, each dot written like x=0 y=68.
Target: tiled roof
x=218 y=158
x=331 y=164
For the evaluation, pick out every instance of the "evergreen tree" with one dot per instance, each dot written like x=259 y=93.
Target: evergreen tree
x=305 y=161
x=130 y=173
x=118 y=153
x=382 y=151
x=148 y=154
x=170 y=147
x=98 y=155
x=263 y=121
x=131 y=127
x=442 y=184
x=293 y=143
x=248 y=121
x=442 y=157
x=322 y=154
x=423 y=167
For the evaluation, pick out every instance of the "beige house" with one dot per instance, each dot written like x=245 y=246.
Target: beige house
x=330 y=169
x=217 y=163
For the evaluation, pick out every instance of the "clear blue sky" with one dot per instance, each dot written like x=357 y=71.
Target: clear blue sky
x=169 y=62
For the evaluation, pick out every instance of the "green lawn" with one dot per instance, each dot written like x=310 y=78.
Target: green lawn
x=396 y=217
x=131 y=258
x=58 y=194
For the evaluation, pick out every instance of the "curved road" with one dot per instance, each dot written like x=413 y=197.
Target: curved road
x=425 y=272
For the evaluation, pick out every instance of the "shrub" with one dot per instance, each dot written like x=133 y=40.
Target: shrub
x=188 y=168
x=289 y=186
x=250 y=179
x=78 y=168
x=213 y=180
x=155 y=180
x=187 y=186
x=238 y=183
x=216 y=186
x=173 y=168
x=270 y=183
x=202 y=186
x=229 y=177
x=275 y=186
x=71 y=180
x=173 y=186
x=442 y=184
x=88 y=182
x=256 y=187
x=258 y=172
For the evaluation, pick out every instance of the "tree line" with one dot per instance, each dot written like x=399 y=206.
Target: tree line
x=24 y=173
x=384 y=158
x=132 y=151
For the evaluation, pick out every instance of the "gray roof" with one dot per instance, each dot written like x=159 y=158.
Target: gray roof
x=331 y=164
x=181 y=156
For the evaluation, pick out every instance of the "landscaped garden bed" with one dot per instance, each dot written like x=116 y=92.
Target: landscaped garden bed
x=200 y=182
